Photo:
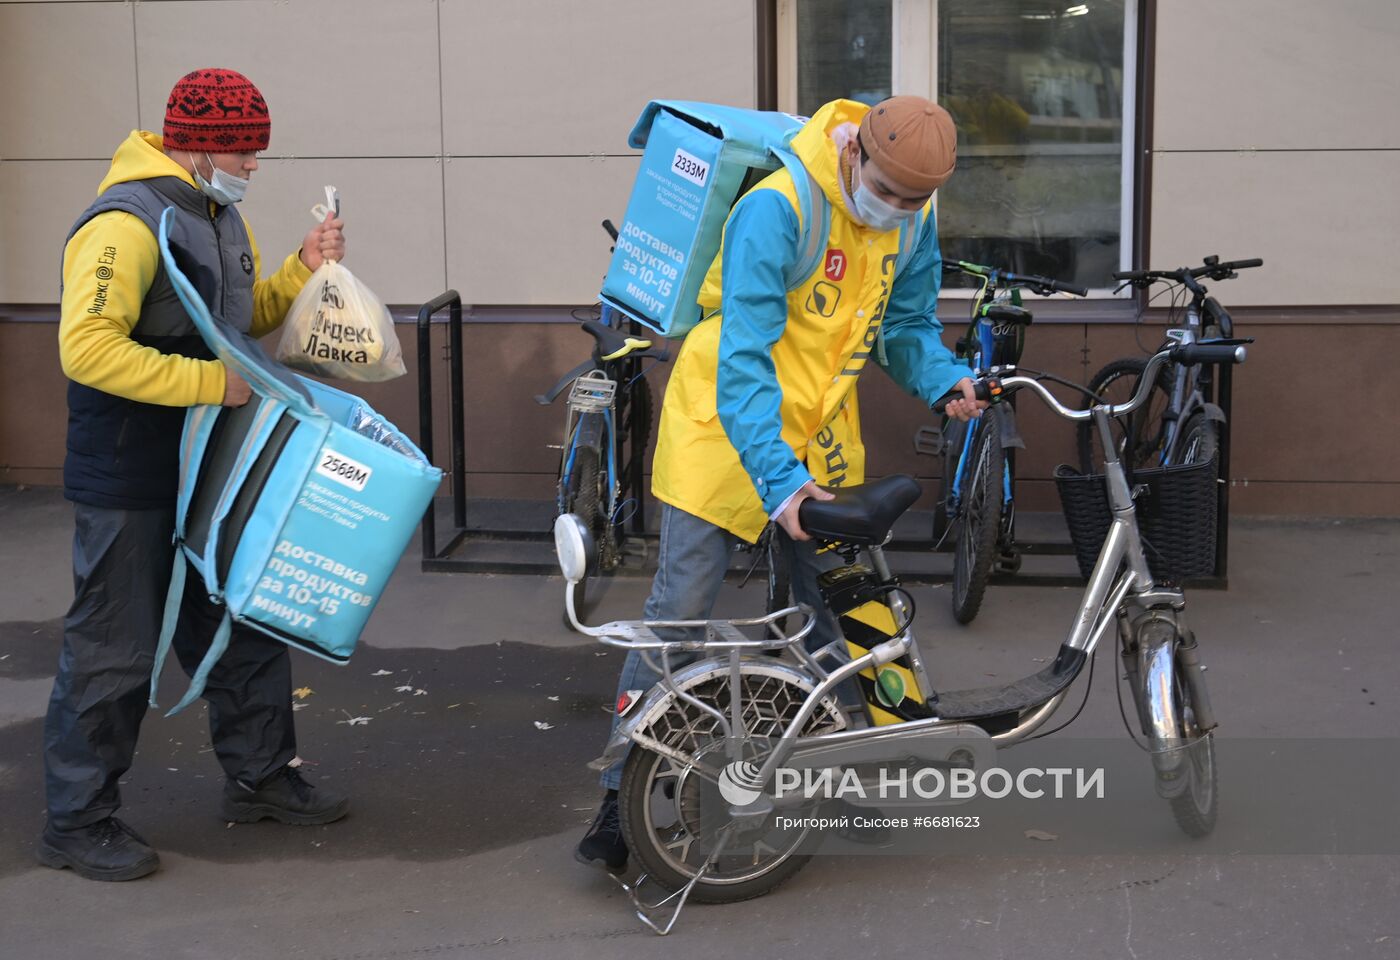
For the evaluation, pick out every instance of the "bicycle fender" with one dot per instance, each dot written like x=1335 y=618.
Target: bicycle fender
x=590 y=430
x=1213 y=412
x=659 y=700
x=545 y=399
x=1010 y=435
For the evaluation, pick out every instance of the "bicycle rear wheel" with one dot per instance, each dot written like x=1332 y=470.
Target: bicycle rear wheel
x=979 y=518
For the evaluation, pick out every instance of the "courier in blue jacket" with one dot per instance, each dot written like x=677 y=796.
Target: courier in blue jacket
x=136 y=363
x=761 y=411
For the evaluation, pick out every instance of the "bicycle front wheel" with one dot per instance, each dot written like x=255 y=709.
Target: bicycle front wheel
x=1183 y=754
x=979 y=518
x=1140 y=435
x=585 y=498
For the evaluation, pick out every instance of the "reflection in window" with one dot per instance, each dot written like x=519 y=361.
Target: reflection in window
x=843 y=50
x=1036 y=89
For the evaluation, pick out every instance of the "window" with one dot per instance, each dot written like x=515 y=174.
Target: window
x=1036 y=87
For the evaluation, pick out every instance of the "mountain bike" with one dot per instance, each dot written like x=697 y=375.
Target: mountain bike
x=976 y=504
x=1180 y=423
x=705 y=745
x=606 y=430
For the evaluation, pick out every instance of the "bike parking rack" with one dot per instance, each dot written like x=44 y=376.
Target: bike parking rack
x=461 y=537
x=448 y=559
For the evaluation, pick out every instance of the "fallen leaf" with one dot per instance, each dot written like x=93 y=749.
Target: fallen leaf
x=354 y=721
x=173 y=769
x=301 y=693
x=298 y=706
x=987 y=923
x=295 y=762
x=381 y=673
x=453 y=706
x=1041 y=835
x=552 y=698
x=406 y=688
x=420 y=692
x=540 y=725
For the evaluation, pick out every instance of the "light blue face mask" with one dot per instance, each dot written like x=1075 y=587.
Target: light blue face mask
x=874 y=212
x=226 y=189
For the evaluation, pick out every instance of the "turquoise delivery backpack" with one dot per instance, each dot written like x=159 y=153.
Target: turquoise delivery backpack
x=699 y=159
x=294 y=508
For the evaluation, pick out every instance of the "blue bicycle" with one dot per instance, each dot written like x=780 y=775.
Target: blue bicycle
x=976 y=502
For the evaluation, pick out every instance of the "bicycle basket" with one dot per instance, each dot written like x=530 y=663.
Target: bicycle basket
x=1176 y=512
x=592 y=393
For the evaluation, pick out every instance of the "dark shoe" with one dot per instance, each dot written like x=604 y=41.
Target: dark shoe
x=105 y=850
x=603 y=841
x=285 y=796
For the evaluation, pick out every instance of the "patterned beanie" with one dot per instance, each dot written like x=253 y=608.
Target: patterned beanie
x=216 y=111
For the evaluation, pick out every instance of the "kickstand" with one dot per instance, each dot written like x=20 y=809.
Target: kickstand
x=645 y=910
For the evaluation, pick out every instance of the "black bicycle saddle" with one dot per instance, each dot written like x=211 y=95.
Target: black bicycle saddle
x=860 y=515
x=610 y=341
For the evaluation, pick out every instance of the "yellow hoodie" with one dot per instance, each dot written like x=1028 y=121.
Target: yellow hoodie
x=96 y=349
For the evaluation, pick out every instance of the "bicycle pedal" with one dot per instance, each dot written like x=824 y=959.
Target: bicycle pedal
x=929 y=441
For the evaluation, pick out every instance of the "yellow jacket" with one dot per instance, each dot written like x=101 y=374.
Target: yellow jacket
x=762 y=397
x=95 y=347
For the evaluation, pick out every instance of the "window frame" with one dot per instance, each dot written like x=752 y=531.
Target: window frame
x=914 y=70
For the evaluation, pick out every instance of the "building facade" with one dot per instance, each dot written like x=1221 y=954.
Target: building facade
x=477 y=146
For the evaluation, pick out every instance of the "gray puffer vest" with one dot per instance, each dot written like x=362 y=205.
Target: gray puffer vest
x=121 y=453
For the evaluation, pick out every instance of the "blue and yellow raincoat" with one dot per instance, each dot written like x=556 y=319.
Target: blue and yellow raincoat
x=762 y=397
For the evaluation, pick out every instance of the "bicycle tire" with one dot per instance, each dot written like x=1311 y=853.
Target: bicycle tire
x=582 y=497
x=1147 y=424
x=1200 y=439
x=979 y=519
x=637 y=795
x=1196 y=803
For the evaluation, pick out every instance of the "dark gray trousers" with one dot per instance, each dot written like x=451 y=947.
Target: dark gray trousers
x=121 y=572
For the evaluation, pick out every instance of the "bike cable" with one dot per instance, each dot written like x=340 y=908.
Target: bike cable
x=1123 y=713
x=1088 y=685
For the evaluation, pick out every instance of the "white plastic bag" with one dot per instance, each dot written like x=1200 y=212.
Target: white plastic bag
x=337 y=327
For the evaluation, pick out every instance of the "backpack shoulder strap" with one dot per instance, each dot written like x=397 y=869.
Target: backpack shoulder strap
x=814 y=210
x=909 y=232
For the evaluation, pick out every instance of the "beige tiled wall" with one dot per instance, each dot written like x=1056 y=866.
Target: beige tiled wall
x=476 y=145
x=1275 y=136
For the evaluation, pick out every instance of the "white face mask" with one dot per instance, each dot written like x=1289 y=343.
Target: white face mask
x=226 y=189
x=875 y=212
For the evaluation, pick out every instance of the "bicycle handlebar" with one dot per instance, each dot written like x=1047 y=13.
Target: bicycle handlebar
x=1041 y=285
x=1212 y=268
x=1187 y=354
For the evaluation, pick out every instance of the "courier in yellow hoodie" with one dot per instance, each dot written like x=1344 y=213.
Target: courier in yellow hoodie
x=760 y=412
x=135 y=362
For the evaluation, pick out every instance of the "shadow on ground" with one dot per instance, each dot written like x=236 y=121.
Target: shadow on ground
x=459 y=768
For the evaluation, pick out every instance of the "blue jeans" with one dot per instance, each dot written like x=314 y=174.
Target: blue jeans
x=689 y=573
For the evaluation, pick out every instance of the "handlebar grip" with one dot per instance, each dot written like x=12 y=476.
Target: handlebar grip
x=1191 y=354
x=988 y=390
x=1132 y=274
x=1070 y=288
x=1243 y=264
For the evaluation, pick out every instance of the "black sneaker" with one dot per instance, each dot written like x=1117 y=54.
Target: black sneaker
x=603 y=841
x=105 y=850
x=285 y=796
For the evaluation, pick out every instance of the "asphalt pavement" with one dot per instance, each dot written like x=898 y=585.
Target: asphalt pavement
x=463 y=724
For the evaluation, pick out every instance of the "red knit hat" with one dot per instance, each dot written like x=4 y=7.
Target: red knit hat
x=216 y=111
